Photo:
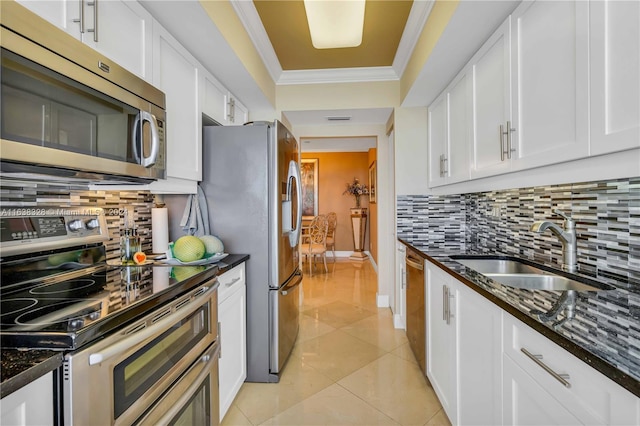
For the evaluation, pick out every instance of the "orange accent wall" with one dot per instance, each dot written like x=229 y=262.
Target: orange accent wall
x=335 y=170
x=373 y=213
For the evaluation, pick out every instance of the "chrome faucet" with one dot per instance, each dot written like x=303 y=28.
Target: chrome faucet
x=566 y=304
x=566 y=235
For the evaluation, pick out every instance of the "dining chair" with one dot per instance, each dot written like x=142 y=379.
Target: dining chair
x=316 y=242
x=332 y=219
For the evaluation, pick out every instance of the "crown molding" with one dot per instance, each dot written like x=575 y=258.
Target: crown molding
x=337 y=75
x=418 y=16
x=249 y=17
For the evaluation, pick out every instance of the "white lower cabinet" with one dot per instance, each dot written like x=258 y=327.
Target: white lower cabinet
x=232 y=318
x=463 y=350
x=30 y=405
x=489 y=368
x=441 y=338
x=568 y=391
x=479 y=344
x=527 y=403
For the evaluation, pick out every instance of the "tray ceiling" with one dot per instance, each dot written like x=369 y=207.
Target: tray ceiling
x=285 y=23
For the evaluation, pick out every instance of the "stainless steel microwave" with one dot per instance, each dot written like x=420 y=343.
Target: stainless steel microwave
x=68 y=111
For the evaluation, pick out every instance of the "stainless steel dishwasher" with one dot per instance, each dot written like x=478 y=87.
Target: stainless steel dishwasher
x=416 y=325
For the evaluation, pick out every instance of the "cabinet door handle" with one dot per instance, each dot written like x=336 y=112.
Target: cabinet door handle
x=445 y=168
x=501 y=139
x=445 y=297
x=510 y=149
x=562 y=378
x=94 y=30
x=80 y=20
x=449 y=297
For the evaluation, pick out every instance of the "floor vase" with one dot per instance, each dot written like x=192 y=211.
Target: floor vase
x=359 y=228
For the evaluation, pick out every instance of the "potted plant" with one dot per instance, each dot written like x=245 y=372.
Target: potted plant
x=356 y=189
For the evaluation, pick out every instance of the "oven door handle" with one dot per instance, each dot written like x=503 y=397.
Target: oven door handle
x=156 y=329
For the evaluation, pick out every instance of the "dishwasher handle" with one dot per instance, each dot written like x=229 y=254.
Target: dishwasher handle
x=414 y=264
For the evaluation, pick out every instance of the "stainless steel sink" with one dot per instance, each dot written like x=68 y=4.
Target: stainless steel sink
x=517 y=273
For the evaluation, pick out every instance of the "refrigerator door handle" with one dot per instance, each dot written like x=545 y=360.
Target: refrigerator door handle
x=294 y=174
x=292 y=283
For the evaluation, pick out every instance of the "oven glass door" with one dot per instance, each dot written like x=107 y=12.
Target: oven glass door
x=138 y=373
x=194 y=397
x=198 y=409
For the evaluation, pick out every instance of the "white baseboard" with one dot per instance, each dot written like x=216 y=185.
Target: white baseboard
x=382 y=300
x=339 y=253
x=397 y=322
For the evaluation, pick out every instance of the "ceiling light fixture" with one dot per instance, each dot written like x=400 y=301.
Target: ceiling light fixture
x=339 y=118
x=335 y=23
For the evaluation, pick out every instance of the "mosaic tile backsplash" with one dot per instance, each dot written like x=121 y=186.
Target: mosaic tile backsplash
x=607 y=218
x=40 y=194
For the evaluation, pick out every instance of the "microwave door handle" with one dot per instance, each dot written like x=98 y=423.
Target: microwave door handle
x=138 y=337
x=155 y=139
x=136 y=138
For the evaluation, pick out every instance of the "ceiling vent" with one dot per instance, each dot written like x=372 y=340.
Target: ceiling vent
x=339 y=118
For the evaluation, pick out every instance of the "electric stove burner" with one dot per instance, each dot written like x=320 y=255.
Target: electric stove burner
x=45 y=307
x=13 y=306
x=71 y=286
x=65 y=314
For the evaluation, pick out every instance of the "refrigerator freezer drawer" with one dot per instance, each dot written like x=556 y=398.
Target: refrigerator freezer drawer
x=284 y=319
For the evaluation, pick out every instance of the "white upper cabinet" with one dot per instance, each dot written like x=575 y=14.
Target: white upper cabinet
x=491 y=104
x=219 y=104
x=175 y=72
x=530 y=90
x=449 y=133
x=549 y=85
x=237 y=113
x=438 y=143
x=615 y=75
x=120 y=30
x=64 y=14
x=213 y=101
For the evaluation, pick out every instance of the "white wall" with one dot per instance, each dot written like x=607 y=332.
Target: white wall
x=411 y=174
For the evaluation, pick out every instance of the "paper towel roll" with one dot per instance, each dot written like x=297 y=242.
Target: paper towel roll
x=159 y=230
x=160 y=278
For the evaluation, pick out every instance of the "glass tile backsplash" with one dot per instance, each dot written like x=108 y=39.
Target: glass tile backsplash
x=24 y=194
x=607 y=215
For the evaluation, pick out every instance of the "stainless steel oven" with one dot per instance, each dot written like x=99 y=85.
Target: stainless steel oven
x=140 y=343
x=119 y=378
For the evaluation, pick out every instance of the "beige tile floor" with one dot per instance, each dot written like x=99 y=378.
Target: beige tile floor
x=349 y=365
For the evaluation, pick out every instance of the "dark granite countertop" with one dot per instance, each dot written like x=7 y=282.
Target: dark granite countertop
x=604 y=333
x=19 y=368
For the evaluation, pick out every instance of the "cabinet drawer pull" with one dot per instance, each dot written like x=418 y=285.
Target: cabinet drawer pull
x=562 y=378
x=232 y=282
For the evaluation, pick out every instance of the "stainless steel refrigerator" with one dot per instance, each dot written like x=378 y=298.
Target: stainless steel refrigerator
x=251 y=180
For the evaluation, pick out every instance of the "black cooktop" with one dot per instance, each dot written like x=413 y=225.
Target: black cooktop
x=66 y=299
